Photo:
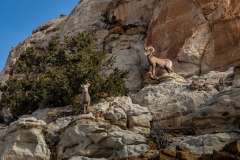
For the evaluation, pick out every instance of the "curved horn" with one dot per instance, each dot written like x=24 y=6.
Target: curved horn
x=151 y=49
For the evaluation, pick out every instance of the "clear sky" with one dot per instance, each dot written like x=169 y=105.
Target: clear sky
x=20 y=17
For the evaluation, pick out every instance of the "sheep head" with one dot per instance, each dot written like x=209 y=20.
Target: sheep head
x=149 y=50
x=85 y=87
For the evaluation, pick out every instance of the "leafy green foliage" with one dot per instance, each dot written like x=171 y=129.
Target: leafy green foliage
x=54 y=78
x=110 y=21
x=21 y=96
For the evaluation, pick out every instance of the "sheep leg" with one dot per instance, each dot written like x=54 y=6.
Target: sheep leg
x=84 y=108
x=169 y=66
x=169 y=70
x=151 y=69
x=88 y=104
x=154 y=72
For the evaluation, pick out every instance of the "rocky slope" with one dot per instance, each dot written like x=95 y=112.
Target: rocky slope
x=198 y=36
x=198 y=105
x=201 y=119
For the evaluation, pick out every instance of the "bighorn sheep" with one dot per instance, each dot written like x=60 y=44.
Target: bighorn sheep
x=86 y=99
x=154 y=61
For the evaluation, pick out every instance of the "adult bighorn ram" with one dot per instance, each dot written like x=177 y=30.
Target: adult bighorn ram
x=154 y=61
x=86 y=99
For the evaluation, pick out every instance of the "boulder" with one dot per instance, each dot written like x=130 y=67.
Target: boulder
x=24 y=139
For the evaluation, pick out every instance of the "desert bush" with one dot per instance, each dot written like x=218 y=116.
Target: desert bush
x=159 y=136
x=21 y=96
x=110 y=20
x=54 y=77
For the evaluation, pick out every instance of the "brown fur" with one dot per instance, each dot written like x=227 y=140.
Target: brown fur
x=154 y=61
x=86 y=99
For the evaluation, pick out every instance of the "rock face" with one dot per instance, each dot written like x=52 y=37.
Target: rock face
x=205 y=110
x=118 y=127
x=202 y=35
x=126 y=44
x=24 y=139
x=120 y=131
x=220 y=114
x=198 y=36
x=205 y=144
x=99 y=140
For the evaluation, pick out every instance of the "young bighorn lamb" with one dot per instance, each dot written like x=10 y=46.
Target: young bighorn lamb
x=154 y=61
x=86 y=99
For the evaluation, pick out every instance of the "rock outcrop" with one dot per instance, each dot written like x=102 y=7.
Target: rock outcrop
x=206 y=144
x=98 y=140
x=200 y=113
x=204 y=110
x=198 y=36
x=202 y=35
x=219 y=114
x=121 y=131
x=119 y=127
x=24 y=139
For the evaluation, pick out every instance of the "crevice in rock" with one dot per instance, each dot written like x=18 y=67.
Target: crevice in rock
x=195 y=3
x=204 y=51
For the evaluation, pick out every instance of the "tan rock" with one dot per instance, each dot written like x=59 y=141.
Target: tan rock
x=128 y=50
x=221 y=155
x=173 y=35
x=170 y=151
x=182 y=148
x=185 y=156
x=163 y=156
x=133 y=11
x=24 y=139
x=148 y=79
x=208 y=6
x=233 y=147
x=116 y=30
x=137 y=30
x=141 y=130
x=97 y=137
x=223 y=36
x=152 y=145
x=138 y=121
x=198 y=42
x=219 y=115
x=151 y=154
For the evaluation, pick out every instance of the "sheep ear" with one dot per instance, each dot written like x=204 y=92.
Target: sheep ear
x=82 y=85
x=88 y=84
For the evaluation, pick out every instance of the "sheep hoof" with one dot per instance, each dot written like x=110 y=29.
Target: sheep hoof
x=155 y=77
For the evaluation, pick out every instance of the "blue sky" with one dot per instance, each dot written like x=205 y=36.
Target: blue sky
x=19 y=17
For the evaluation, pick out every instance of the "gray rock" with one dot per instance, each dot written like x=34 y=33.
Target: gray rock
x=205 y=144
x=24 y=139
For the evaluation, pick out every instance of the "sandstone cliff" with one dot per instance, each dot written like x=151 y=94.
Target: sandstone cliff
x=198 y=36
x=201 y=119
x=202 y=113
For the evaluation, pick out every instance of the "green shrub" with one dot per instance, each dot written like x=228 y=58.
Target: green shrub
x=110 y=21
x=21 y=96
x=54 y=78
